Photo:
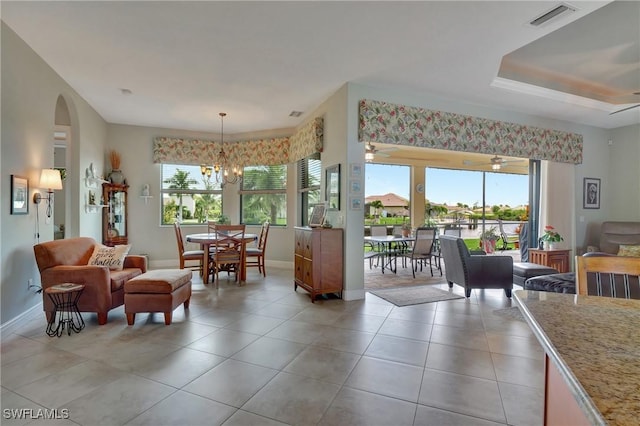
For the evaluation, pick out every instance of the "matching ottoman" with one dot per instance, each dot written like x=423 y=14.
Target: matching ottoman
x=161 y=290
x=522 y=271
x=557 y=283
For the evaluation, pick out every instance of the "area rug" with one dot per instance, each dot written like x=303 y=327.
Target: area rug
x=374 y=279
x=415 y=295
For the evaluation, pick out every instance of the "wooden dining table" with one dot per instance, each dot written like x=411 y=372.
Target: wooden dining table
x=207 y=239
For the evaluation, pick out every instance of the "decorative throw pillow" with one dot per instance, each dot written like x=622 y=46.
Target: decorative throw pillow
x=112 y=257
x=629 y=250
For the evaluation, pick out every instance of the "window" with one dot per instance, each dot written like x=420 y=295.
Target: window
x=309 y=175
x=263 y=195
x=187 y=196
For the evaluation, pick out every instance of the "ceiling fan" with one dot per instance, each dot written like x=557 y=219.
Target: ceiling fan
x=627 y=108
x=495 y=162
x=370 y=151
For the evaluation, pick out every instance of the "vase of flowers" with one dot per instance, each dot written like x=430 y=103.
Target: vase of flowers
x=488 y=239
x=551 y=237
x=406 y=230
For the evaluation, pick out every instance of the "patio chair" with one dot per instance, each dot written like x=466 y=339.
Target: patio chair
x=375 y=249
x=507 y=238
x=422 y=250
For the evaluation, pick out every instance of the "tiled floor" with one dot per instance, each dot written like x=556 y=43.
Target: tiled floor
x=263 y=354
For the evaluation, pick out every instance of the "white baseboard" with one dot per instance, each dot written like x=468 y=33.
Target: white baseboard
x=353 y=294
x=9 y=326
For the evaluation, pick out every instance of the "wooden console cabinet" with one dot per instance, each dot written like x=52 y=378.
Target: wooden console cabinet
x=319 y=260
x=556 y=259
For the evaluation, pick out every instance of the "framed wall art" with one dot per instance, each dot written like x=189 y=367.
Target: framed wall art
x=355 y=203
x=591 y=193
x=355 y=186
x=19 y=195
x=332 y=195
x=355 y=170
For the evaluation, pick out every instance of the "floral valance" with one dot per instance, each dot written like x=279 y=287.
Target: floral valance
x=307 y=140
x=303 y=143
x=405 y=125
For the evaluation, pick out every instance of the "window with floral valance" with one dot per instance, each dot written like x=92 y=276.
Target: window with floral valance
x=389 y=123
x=263 y=152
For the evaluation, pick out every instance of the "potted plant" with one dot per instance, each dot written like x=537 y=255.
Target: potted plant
x=488 y=238
x=406 y=229
x=223 y=219
x=551 y=237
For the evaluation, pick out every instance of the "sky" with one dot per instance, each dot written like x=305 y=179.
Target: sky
x=449 y=186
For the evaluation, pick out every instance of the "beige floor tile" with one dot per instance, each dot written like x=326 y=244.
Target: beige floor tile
x=454 y=336
x=118 y=402
x=317 y=316
x=519 y=370
x=224 y=342
x=182 y=333
x=354 y=407
x=218 y=317
x=64 y=386
x=409 y=329
x=268 y=352
x=414 y=314
x=279 y=310
x=244 y=418
x=182 y=408
x=398 y=349
x=345 y=340
x=298 y=331
x=523 y=405
x=178 y=368
x=464 y=321
x=514 y=345
x=17 y=347
x=356 y=321
x=18 y=407
x=429 y=416
x=232 y=382
x=37 y=366
x=293 y=399
x=255 y=324
x=453 y=359
x=462 y=394
x=323 y=364
x=387 y=378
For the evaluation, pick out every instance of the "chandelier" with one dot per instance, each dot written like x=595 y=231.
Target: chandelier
x=225 y=172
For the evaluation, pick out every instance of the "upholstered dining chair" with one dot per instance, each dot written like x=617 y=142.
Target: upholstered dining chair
x=188 y=255
x=609 y=276
x=255 y=255
x=228 y=253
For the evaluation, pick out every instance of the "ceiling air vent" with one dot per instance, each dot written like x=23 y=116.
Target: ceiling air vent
x=554 y=13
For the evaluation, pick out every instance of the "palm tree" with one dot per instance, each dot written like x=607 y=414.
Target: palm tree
x=180 y=181
x=259 y=206
x=377 y=205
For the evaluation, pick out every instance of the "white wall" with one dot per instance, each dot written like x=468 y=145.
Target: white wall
x=30 y=89
x=624 y=180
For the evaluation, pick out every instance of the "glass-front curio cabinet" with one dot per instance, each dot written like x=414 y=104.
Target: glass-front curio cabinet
x=114 y=215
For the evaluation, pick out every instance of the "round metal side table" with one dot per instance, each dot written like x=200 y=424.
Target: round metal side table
x=65 y=306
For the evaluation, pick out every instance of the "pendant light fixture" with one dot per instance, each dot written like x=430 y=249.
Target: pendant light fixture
x=225 y=172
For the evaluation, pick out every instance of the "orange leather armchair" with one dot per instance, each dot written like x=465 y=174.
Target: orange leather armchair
x=66 y=261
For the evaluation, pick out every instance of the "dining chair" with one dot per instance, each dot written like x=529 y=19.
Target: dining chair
x=255 y=255
x=188 y=255
x=229 y=250
x=422 y=250
x=610 y=276
x=376 y=250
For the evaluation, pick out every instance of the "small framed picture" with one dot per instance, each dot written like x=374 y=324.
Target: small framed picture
x=591 y=193
x=355 y=170
x=317 y=216
x=355 y=186
x=355 y=203
x=19 y=195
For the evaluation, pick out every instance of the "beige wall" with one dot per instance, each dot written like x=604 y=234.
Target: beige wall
x=30 y=90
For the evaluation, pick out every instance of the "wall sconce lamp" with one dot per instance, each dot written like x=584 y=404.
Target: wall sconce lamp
x=51 y=180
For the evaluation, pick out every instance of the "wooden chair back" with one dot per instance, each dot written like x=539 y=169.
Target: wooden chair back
x=228 y=250
x=179 y=238
x=262 y=239
x=610 y=276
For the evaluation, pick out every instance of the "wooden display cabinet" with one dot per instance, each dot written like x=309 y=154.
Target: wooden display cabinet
x=319 y=260
x=556 y=259
x=115 y=214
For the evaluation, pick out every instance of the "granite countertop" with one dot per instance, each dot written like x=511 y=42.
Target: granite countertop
x=595 y=344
